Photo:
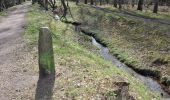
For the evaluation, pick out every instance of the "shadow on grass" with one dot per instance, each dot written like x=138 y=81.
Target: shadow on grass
x=44 y=90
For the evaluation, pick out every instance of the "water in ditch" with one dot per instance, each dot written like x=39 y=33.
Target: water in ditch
x=149 y=82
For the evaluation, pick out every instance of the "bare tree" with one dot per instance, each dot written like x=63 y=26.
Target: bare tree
x=133 y=3
x=34 y=1
x=65 y=9
x=52 y=4
x=1 y=5
x=115 y=3
x=46 y=4
x=140 y=5
x=85 y=1
x=91 y=2
x=156 y=2
x=120 y=4
x=77 y=1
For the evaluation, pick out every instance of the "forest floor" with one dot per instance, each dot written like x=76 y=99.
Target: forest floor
x=81 y=73
x=16 y=58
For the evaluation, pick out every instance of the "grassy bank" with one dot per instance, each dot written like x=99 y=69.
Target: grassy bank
x=140 y=41
x=80 y=72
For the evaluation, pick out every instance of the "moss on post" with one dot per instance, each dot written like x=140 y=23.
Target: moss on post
x=45 y=50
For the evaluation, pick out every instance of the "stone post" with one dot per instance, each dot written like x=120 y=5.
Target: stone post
x=45 y=51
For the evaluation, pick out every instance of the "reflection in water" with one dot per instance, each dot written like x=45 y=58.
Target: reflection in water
x=150 y=83
x=45 y=86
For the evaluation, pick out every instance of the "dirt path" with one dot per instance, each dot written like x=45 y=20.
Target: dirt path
x=18 y=75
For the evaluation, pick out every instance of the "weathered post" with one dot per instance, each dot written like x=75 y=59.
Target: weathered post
x=45 y=51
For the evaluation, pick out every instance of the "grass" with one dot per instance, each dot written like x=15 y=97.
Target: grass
x=134 y=41
x=3 y=13
x=148 y=13
x=81 y=72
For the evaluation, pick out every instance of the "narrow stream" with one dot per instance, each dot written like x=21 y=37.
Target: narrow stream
x=150 y=83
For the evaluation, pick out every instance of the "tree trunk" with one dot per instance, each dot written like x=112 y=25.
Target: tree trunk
x=107 y=1
x=115 y=3
x=85 y=1
x=34 y=1
x=19 y=1
x=133 y=3
x=46 y=4
x=100 y=2
x=65 y=8
x=91 y=2
x=77 y=2
x=6 y=4
x=155 y=10
x=0 y=5
x=140 y=5
x=120 y=4
x=13 y=2
x=40 y=2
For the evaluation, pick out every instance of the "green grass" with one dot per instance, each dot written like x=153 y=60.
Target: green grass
x=3 y=13
x=81 y=73
x=135 y=42
x=150 y=14
x=159 y=15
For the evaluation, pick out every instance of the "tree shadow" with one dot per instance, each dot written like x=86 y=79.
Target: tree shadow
x=44 y=90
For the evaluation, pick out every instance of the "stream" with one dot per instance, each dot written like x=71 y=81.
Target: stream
x=149 y=82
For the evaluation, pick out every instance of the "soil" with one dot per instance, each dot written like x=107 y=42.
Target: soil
x=18 y=62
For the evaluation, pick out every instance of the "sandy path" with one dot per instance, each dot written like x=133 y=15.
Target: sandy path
x=18 y=75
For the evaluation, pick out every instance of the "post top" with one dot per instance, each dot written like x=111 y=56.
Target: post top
x=45 y=27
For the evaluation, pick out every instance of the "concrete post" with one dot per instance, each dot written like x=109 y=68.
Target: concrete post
x=45 y=51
